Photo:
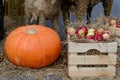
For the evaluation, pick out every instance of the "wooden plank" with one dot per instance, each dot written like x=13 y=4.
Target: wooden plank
x=83 y=47
x=22 y=15
x=98 y=72
x=12 y=9
x=5 y=7
x=9 y=8
x=92 y=59
x=17 y=14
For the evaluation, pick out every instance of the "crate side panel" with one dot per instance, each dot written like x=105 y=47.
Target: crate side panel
x=84 y=47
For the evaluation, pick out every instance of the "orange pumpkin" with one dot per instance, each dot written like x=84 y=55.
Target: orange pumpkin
x=32 y=46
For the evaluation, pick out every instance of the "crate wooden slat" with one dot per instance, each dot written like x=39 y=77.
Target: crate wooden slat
x=92 y=59
x=83 y=47
x=98 y=72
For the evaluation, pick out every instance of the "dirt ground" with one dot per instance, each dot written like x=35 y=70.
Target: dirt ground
x=56 y=71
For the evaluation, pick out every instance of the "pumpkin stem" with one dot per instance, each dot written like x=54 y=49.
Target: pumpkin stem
x=31 y=31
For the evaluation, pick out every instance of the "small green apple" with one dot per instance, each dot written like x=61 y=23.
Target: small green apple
x=91 y=30
x=90 y=33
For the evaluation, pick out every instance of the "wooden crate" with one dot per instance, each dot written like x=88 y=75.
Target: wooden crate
x=117 y=39
x=82 y=64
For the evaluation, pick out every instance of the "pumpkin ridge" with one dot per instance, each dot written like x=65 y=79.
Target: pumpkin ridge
x=15 y=40
x=41 y=47
x=19 y=48
x=45 y=39
x=28 y=57
x=55 y=47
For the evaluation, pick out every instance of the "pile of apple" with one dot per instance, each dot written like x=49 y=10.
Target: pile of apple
x=114 y=23
x=89 y=33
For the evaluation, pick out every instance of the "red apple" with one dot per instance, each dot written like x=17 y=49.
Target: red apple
x=106 y=36
x=118 y=24
x=71 y=31
x=98 y=36
x=81 y=33
x=84 y=28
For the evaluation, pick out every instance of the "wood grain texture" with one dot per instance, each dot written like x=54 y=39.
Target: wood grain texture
x=109 y=59
x=83 y=47
x=77 y=72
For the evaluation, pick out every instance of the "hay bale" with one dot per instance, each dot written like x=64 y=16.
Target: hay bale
x=48 y=8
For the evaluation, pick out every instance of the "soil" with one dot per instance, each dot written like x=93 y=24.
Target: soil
x=56 y=71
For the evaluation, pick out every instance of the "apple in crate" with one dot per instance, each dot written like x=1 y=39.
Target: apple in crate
x=106 y=35
x=84 y=28
x=90 y=36
x=71 y=31
x=118 y=24
x=98 y=36
x=91 y=30
x=82 y=31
